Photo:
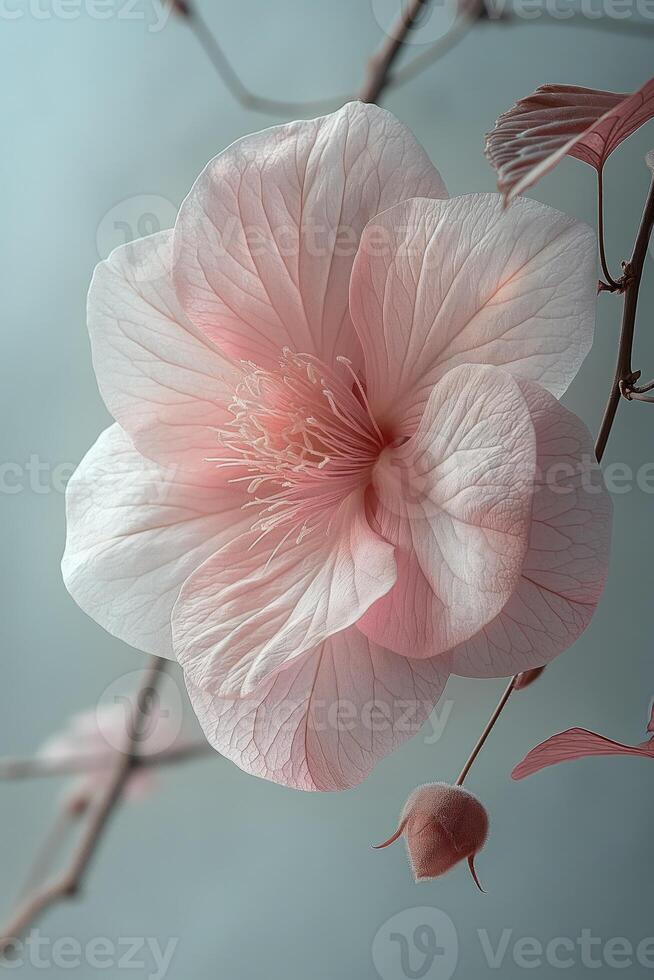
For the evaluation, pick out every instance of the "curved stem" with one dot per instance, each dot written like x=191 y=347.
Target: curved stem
x=640 y=389
x=242 y=94
x=600 y=231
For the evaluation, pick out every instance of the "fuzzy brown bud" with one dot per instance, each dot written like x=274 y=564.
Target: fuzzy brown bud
x=442 y=825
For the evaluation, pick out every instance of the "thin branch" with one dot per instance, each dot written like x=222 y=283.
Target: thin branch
x=624 y=373
x=636 y=396
x=36 y=766
x=382 y=61
x=639 y=389
x=624 y=376
x=71 y=879
x=508 y=691
x=50 y=847
x=460 y=27
x=394 y=79
x=283 y=107
x=600 y=232
x=242 y=94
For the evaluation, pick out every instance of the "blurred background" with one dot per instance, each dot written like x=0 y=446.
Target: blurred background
x=109 y=110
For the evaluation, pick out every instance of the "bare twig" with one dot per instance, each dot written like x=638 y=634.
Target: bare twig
x=460 y=27
x=37 y=766
x=65 y=820
x=381 y=62
x=283 y=107
x=393 y=79
x=624 y=377
x=71 y=879
x=242 y=94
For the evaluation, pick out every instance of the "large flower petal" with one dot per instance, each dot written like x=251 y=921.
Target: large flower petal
x=135 y=532
x=261 y=602
x=265 y=241
x=441 y=283
x=323 y=722
x=575 y=743
x=161 y=379
x=456 y=500
x=568 y=557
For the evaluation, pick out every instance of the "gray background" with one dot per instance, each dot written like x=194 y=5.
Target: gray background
x=256 y=880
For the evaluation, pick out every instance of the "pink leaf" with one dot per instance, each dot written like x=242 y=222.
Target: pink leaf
x=575 y=743
x=559 y=120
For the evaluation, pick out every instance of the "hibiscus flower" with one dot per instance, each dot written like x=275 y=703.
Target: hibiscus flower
x=328 y=485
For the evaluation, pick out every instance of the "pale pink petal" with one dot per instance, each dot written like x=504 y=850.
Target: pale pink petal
x=567 y=561
x=265 y=241
x=409 y=618
x=161 y=379
x=459 y=495
x=324 y=721
x=135 y=532
x=559 y=120
x=261 y=602
x=575 y=743
x=441 y=283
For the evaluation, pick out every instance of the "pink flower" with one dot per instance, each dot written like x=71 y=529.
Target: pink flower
x=442 y=825
x=330 y=481
x=97 y=735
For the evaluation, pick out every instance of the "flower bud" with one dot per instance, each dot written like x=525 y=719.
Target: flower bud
x=442 y=825
x=527 y=677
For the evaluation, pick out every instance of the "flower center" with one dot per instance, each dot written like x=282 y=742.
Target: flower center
x=306 y=436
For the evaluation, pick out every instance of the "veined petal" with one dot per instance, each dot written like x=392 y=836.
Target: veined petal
x=575 y=743
x=567 y=561
x=265 y=241
x=323 y=722
x=558 y=120
x=456 y=499
x=161 y=379
x=262 y=601
x=135 y=532
x=441 y=283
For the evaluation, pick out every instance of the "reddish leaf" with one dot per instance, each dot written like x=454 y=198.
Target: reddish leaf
x=575 y=743
x=559 y=120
